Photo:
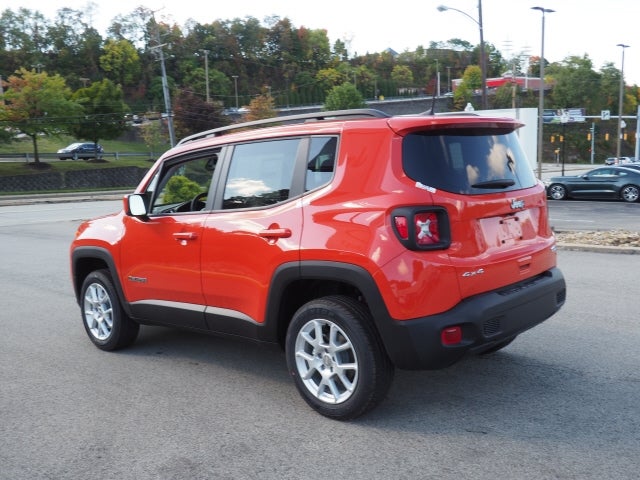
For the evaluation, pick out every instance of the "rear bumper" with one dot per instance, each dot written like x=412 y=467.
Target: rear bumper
x=486 y=320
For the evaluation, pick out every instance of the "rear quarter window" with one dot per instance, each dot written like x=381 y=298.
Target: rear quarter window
x=467 y=161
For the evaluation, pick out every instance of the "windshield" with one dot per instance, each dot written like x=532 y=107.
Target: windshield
x=468 y=161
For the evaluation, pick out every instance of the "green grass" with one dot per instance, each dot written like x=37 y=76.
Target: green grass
x=47 y=146
x=52 y=144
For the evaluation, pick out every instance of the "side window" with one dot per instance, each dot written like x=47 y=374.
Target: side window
x=183 y=186
x=260 y=173
x=322 y=156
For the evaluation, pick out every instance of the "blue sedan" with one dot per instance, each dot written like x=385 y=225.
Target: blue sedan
x=618 y=183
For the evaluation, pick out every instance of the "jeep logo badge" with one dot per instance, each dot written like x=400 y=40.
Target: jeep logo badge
x=517 y=204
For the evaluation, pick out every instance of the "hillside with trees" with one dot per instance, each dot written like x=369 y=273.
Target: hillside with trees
x=63 y=76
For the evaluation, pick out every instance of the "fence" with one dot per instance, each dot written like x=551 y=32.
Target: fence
x=98 y=179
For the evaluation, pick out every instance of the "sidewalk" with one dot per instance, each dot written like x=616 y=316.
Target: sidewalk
x=555 y=170
x=35 y=198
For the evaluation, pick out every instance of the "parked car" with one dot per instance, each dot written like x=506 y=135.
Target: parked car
x=600 y=183
x=618 y=160
x=81 y=151
x=357 y=241
x=633 y=166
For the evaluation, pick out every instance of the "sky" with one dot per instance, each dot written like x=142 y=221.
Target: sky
x=575 y=28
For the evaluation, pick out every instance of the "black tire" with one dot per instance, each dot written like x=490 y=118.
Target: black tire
x=557 y=191
x=346 y=372
x=630 y=193
x=106 y=323
x=499 y=346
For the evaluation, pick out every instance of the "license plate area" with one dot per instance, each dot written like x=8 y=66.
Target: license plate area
x=502 y=231
x=510 y=230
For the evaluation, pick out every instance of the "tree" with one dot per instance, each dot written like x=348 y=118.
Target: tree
x=39 y=104
x=154 y=136
x=121 y=62
x=462 y=96
x=180 y=189
x=104 y=112
x=23 y=40
x=329 y=78
x=72 y=38
x=193 y=114
x=261 y=107
x=402 y=75
x=576 y=84
x=344 y=97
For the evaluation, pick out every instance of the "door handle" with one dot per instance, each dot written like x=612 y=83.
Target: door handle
x=275 y=233
x=182 y=236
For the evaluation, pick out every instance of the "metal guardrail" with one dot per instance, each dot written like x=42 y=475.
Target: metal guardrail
x=29 y=157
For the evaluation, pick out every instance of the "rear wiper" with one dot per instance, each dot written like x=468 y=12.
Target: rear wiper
x=500 y=183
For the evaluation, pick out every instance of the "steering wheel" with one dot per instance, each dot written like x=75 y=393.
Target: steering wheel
x=197 y=203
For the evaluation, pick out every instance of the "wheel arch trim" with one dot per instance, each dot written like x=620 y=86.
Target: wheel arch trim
x=104 y=255
x=351 y=274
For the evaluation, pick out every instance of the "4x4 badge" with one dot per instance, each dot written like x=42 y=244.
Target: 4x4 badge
x=517 y=204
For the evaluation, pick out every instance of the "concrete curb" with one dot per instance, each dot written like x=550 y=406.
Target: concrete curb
x=583 y=247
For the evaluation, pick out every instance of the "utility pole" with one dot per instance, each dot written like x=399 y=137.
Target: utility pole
x=620 y=102
x=235 y=82
x=167 y=98
x=165 y=87
x=206 y=72
x=593 y=141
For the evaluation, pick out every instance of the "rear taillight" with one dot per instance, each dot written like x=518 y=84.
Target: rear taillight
x=422 y=229
x=427 y=228
x=402 y=227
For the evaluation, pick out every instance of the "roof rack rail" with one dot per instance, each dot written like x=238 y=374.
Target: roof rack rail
x=353 y=114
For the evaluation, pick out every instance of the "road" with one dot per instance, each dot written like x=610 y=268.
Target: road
x=560 y=402
x=567 y=215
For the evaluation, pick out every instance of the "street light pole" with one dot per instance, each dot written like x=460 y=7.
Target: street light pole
x=235 y=81
x=541 y=92
x=483 y=61
x=620 y=101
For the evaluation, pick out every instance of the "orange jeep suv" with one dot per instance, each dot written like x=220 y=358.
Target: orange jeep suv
x=357 y=241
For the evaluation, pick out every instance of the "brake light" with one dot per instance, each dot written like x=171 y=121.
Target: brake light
x=422 y=229
x=402 y=227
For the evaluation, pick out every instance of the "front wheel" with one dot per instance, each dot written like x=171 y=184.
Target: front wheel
x=557 y=192
x=104 y=319
x=336 y=358
x=630 y=193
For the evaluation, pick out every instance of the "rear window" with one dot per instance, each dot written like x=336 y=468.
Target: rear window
x=467 y=161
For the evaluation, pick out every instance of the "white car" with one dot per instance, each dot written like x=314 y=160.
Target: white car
x=618 y=160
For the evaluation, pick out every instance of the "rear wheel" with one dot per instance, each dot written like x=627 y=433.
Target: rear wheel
x=630 y=193
x=105 y=321
x=557 y=191
x=336 y=358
